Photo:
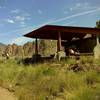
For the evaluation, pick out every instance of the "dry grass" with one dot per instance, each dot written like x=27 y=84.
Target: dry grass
x=50 y=81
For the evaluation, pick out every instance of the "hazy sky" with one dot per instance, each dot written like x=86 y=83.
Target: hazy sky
x=18 y=17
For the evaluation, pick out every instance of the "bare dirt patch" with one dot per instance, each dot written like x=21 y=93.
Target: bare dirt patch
x=6 y=95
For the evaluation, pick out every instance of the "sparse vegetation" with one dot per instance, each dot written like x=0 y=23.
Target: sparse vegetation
x=52 y=81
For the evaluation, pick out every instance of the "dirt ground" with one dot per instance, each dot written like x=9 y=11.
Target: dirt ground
x=6 y=95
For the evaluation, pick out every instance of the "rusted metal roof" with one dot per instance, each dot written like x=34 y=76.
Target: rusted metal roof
x=67 y=32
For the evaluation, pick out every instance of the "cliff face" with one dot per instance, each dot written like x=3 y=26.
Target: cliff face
x=46 y=47
x=15 y=50
x=2 y=48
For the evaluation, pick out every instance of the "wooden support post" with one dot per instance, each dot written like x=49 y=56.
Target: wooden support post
x=59 y=42
x=36 y=46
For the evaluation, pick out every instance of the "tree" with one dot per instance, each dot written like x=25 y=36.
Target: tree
x=98 y=24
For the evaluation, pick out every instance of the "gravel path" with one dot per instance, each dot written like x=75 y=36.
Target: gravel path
x=6 y=95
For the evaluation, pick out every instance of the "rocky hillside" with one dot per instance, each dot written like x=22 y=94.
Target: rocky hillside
x=46 y=47
x=2 y=48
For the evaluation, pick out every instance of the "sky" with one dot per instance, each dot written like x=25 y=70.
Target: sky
x=18 y=17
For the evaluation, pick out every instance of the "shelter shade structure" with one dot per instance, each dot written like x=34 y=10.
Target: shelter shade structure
x=69 y=34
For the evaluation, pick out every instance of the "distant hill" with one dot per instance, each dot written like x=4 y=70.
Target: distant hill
x=2 y=45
